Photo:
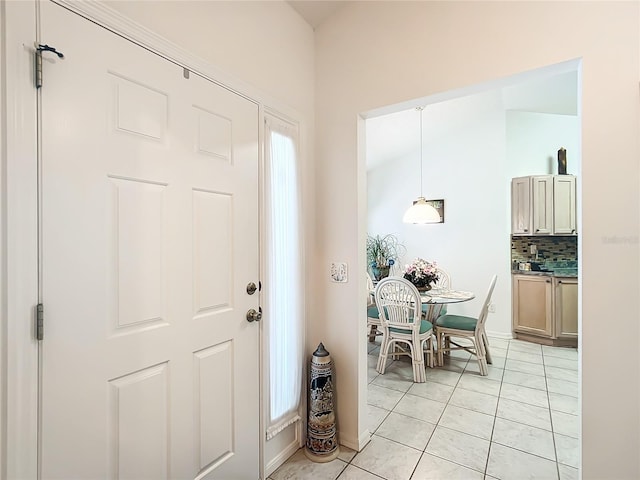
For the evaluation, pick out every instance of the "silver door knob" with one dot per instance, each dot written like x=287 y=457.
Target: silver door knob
x=253 y=316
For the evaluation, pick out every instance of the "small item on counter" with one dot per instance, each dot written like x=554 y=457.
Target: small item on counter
x=562 y=161
x=524 y=266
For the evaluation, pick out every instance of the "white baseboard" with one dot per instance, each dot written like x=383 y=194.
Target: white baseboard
x=356 y=444
x=282 y=457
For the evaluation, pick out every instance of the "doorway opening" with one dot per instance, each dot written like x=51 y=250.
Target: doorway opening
x=476 y=140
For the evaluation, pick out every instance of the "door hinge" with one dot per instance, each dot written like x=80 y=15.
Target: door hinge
x=39 y=321
x=38 y=59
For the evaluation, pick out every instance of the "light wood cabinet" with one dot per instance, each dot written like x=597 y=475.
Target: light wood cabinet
x=543 y=205
x=564 y=204
x=566 y=308
x=521 y=205
x=532 y=305
x=545 y=309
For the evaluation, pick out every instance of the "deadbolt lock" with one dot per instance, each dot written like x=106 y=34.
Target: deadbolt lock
x=251 y=288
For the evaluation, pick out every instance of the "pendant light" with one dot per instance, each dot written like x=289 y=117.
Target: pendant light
x=421 y=211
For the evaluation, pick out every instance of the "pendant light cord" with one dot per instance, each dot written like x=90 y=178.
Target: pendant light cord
x=420 y=109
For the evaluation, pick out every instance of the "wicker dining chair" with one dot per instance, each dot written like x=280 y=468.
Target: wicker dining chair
x=400 y=309
x=470 y=328
x=444 y=282
x=373 y=316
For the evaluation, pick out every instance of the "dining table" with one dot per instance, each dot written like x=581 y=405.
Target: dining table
x=436 y=298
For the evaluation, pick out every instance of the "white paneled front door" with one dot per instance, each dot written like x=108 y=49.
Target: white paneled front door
x=148 y=240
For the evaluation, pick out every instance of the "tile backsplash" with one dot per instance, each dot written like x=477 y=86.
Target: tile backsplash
x=550 y=248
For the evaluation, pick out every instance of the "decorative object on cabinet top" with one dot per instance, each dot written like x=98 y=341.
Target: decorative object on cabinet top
x=562 y=161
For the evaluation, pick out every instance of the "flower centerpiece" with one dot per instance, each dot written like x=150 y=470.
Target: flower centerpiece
x=422 y=273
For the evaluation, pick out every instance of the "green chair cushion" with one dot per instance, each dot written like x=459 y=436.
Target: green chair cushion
x=458 y=322
x=372 y=311
x=425 y=326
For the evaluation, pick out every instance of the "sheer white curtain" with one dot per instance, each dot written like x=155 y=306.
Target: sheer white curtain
x=283 y=289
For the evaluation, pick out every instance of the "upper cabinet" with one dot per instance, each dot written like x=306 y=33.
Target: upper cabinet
x=521 y=205
x=564 y=204
x=543 y=205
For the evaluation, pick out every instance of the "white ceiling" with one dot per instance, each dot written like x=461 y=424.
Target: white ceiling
x=314 y=11
x=395 y=135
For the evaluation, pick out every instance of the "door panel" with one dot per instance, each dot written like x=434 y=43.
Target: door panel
x=149 y=236
x=139 y=436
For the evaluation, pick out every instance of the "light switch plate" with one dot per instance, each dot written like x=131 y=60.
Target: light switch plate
x=339 y=272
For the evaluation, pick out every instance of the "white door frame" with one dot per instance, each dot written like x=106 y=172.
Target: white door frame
x=18 y=204
x=19 y=278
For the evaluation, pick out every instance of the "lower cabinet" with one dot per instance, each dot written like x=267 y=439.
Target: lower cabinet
x=545 y=309
x=566 y=308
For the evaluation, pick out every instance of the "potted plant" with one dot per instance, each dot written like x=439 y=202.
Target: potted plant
x=382 y=252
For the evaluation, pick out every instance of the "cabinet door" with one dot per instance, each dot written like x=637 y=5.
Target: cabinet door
x=542 y=199
x=521 y=205
x=532 y=305
x=564 y=204
x=566 y=307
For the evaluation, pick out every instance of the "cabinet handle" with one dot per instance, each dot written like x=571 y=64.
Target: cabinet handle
x=537 y=230
x=559 y=281
x=526 y=229
x=547 y=281
x=573 y=231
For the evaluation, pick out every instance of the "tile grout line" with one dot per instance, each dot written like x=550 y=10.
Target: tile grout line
x=495 y=416
x=437 y=424
x=553 y=433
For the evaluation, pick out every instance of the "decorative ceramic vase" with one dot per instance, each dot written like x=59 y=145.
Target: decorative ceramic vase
x=380 y=272
x=562 y=161
x=424 y=288
x=322 y=440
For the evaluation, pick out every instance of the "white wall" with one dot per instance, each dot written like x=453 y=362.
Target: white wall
x=372 y=54
x=264 y=44
x=533 y=140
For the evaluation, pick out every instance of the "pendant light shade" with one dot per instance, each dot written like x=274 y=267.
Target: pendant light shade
x=421 y=211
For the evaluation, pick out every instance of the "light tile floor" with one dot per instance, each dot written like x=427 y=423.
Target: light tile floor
x=519 y=422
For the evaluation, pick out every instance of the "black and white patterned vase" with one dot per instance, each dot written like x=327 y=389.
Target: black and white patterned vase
x=322 y=439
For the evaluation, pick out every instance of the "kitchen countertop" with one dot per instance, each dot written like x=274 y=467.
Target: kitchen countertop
x=560 y=272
